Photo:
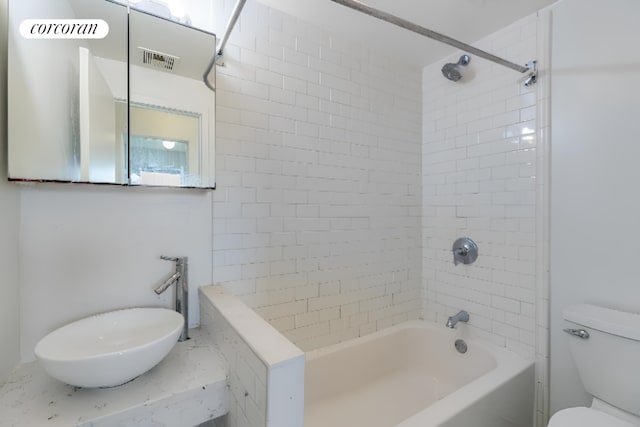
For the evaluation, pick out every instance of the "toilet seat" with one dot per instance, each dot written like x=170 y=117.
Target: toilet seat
x=585 y=417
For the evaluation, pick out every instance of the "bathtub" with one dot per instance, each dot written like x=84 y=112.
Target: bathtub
x=411 y=375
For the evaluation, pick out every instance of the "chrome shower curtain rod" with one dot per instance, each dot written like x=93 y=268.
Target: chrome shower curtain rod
x=403 y=23
x=232 y=22
x=392 y=19
x=223 y=41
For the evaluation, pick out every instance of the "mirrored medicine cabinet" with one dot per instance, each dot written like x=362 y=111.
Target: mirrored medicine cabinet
x=131 y=108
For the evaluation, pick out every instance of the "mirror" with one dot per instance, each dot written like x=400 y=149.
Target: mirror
x=129 y=109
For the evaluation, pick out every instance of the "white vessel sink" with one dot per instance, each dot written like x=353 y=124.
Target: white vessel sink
x=109 y=349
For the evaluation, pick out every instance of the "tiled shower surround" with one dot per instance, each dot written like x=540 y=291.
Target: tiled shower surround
x=479 y=180
x=484 y=176
x=344 y=176
x=317 y=211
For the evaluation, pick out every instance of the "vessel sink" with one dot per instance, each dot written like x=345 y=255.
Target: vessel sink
x=111 y=348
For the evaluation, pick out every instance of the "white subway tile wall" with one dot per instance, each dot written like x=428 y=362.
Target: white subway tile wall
x=247 y=373
x=317 y=211
x=266 y=371
x=342 y=186
x=485 y=176
x=479 y=180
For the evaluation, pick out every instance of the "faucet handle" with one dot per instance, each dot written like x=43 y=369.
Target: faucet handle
x=179 y=260
x=465 y=251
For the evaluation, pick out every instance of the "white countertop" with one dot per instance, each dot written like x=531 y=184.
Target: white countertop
x=187 y=388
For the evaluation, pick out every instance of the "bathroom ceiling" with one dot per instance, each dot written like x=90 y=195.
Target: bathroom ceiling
x=465 y=20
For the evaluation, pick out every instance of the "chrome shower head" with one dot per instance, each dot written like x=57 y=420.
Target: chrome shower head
x=451 y=71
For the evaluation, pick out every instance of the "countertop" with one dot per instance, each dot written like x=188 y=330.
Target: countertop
x=187 y=388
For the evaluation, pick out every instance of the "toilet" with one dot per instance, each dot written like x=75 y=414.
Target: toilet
x=605 y=345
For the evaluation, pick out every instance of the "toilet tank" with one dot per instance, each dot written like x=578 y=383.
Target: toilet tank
x=609 y=360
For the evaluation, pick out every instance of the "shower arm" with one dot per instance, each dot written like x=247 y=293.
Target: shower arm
x=403 y=23
x=223 y=41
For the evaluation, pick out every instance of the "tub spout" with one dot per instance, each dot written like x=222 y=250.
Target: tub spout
x=461 y=316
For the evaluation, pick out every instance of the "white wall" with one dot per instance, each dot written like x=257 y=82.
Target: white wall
x=594 y=189
x=87 y=249
x=9 y=225
x=317 y=207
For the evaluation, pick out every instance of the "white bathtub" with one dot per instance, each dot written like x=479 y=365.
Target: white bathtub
x=412 y=376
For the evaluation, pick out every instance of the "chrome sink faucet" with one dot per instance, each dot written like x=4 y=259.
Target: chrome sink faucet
x=180 y=278
x=461 y=316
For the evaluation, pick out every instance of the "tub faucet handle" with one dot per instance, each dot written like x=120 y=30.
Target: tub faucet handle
x=464 y=250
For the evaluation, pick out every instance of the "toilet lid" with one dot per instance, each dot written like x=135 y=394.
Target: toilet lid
x=585 y=417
